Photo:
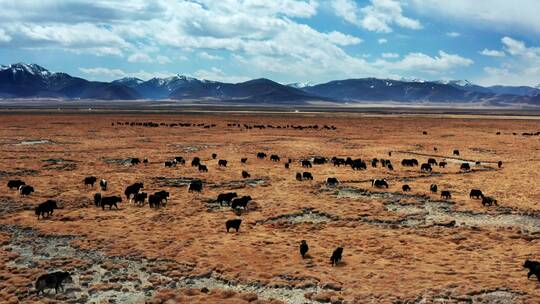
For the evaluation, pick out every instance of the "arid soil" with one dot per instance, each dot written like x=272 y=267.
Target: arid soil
x=399 y=247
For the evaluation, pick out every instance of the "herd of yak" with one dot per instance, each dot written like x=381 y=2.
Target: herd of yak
x=134 y=192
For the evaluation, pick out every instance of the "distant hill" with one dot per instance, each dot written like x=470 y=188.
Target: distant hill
x=22 y=80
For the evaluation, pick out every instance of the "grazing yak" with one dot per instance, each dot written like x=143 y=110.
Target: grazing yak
x=26 y=190
x=406 y=188
x=499 y=163
x=358 y=164
x=196 y=186
x=379 y=183
x=338 y=161
x=307 y=175
x=426 y=167
x=390 y=167
x=319 y=160
x=214 y=155
x=274 y=158
x=52 y=280
x=46 y=207
x=15 y=184
x=476 y=193
x=110 y=201
x=180 y=160
x=287 y=166
x=336 y=256
x=90 y=180
x=303 y=248
x=195 y=162
x=432 y=161
x=245 y=174
x=135 y=161
x=446 y=194
x=443 y=164
x=233 y=224
x=170 y=164
x=243 y=160
x=132 y=190
x=374 y=163
x=103 y=184
x=203 y=168
x=140 y=198
x=261 y=155
x=465 y=167
x=240 y=202
x=97 y=199
x=488 y=201
x=157 y=199
x=409 y=162
x=298 y=176
x=145 y=161
x=332 y=181
x=534 y=269
x=306 y=164
x=222 y=163
x=226 y=198
x=456 y=152
x=433 y=188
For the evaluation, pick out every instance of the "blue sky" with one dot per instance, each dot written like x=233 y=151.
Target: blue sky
x=486 y=42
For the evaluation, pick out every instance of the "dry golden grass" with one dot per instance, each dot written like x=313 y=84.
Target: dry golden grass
x=382 y=263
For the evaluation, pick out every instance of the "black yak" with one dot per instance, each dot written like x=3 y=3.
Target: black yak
x=534 y=268
x=110 y=201
x=196 y=186
x=16 y=183
x=475 y=193
x=233 y=224
x=336 y=256
x=303 y=248
x=52 y=280
x=46 y=207
x=446 y=194
x=226 y=197
x=26 y=190
x=379 y=183
x=90 y=180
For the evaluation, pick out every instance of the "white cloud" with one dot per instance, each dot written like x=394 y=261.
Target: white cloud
x=492 y=53
x=453 y=34
x=140 y=57
x=419 y=62
x=205 y=55
x=520 y=67
x=502 y=15
x=217 y=74
x=382 y=41
x=161 y=59
x=390 y=55
x=145 y=58
x=99 y=73
x=106 y=72
x=379 y=16
x=4 y=37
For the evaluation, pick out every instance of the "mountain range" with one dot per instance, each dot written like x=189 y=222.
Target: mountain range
x=23 y=81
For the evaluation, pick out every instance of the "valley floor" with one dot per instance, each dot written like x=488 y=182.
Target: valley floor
x=399 y=247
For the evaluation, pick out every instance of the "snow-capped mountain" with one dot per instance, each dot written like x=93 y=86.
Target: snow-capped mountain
x=22 y=80
x=301 y=85
x=33 y=81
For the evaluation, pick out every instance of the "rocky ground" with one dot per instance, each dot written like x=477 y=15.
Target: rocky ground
x=399 y=247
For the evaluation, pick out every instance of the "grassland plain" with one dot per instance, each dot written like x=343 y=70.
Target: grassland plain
x=399 y=247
